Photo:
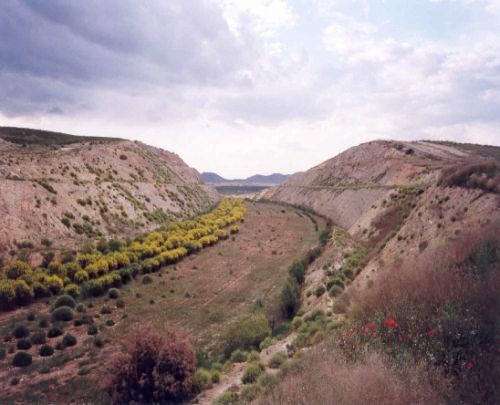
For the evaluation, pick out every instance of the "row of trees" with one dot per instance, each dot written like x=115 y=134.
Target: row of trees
x=113 y=264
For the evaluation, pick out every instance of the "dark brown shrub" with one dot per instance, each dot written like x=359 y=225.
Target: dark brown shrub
x=154 y=368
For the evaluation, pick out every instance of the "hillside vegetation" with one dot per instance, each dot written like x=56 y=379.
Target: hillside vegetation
x=57 y=190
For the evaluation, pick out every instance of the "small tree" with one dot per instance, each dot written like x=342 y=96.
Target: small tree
x=154 y=368
x=290 y=298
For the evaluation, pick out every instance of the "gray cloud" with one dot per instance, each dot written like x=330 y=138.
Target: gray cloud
x=122 y=45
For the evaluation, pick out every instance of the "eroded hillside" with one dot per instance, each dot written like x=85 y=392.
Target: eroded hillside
x=55 y=194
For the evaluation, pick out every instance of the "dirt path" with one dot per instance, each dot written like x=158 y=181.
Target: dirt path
x=233 y=377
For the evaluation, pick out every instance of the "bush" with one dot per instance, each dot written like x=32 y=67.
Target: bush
x=113 y=293
x=63 y=313
x=39 y=337
x=120 y=303
x=98 y=341
x=298 y=271
x=319 y=291
x=54 y=332
x=23 y=344
x=147 y=280
x=31 y=316
x=106 y=310
x=22 y=359
x=69 y=340
x=215 y=376
x=73 y=290
x=46 y=350
x=277 y=360
x=65 y=300
x=252 y=372
x=152 y=360
x=110 y=322
x=203 y=379
x=43 y=323
x=247 y=333
x=227 y=398
x=81 y=308
x=92 y=330
x=238 y=356
x=20 y=331
x=335 y=290
x=290 y=298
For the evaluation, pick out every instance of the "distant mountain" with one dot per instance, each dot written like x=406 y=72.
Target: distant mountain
x=213 y=178
x=275 y=178
x=272 y=179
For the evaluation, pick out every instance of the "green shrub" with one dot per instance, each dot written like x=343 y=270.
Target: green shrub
x=54 y=332
x=113 y=293
x=20 y=331
x=22 y=359
x=254 y=355
x=298 y=270
x=228 y=398
x=249 y=393
x=290 y=298
x=65 y=300
x=335 y=290
x=73 y=290
x=297 y=322
x=120 y=303
x=319 y=291
x=69 y=340
x=277 y=360
x=31 y=316
x=110 y=322
x=215 y=376
x=39 y=337
x=14 y=381
x=43 y=323
x=267 y=342
x=92 y=330
x=63 y=313
x=147 y=280
x=23 y=344
x=98 y=342
x=252 y=372
x=81 y=308
x=238 y=356
x=106 y=310
x=46 y=350
x=203 y=379
x=247 y=333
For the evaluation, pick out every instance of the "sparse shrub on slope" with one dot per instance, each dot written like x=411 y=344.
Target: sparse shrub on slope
x=154 y=368
x=63 y=313
x=247 y=333
x=22 y=359
x=65 y=300
x=481 y=175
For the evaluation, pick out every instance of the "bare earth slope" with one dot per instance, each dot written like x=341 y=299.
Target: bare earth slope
x=346 y=187
x=388 y=196
x=109 y=187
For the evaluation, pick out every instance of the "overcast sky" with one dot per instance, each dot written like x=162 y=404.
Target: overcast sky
x=253 y=86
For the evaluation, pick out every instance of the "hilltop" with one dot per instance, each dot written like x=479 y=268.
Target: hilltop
x=58 y=189
x=255 y=180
